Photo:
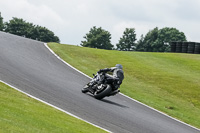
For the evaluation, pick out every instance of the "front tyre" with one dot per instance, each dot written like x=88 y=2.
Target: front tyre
x=103 y=93
x=85 y=89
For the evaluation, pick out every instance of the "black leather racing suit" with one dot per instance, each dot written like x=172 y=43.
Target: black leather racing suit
x=116 y=78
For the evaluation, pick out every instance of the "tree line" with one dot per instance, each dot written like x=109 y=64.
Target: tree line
x=20 y=27
x=156 y=40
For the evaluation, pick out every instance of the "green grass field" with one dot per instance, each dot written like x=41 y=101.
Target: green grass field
x=22 y=114
x=168 y=82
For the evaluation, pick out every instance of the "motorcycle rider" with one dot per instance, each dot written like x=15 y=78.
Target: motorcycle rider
x=116 y=78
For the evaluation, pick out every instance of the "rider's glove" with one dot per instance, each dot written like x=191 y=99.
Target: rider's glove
x=100 y=71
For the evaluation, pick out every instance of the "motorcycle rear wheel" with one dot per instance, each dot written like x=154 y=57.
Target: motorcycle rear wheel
x=103 y=93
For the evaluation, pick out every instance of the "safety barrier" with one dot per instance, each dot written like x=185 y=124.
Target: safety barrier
x=185 y=47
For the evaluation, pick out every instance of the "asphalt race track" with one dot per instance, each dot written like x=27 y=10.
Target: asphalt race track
x=31 y=67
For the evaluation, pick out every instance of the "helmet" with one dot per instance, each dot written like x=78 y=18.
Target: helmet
x=119 y=66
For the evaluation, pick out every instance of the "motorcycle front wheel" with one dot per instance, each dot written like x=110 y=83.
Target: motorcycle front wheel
x=85 y=89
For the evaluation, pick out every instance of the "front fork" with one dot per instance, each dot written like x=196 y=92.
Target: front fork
x=92 y=87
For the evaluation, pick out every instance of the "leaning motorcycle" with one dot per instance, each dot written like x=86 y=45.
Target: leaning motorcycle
x=99 y=87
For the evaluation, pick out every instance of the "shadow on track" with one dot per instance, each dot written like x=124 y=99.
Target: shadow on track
x=108 y=101
x=114 y=103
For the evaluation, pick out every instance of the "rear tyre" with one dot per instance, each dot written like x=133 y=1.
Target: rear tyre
x=103 y=93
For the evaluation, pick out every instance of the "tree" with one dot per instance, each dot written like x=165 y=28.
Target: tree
x=139 y=45
x=1 y=23
x=43 y=34
x=127 y=42
x=97 y=38
x=150 y=39
x=155 y=40
x=167 y=35
x=22 y=28
x=18 y=27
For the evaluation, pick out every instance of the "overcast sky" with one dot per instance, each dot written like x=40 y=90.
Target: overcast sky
x=70 y=20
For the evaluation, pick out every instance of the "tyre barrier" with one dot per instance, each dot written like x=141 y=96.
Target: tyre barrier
x=178 y=47
x=185 y=47
x=173 y=46
x=197 y=48
x=191 y=46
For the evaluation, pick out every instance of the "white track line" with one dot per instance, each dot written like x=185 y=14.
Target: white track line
x=121 y=93
x=54 y=106
x=161 y=112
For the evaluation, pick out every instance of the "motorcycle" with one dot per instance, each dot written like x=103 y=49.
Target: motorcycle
x=99 y=87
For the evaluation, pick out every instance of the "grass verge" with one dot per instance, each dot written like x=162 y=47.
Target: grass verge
x=22 y=114
x=168 y=82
